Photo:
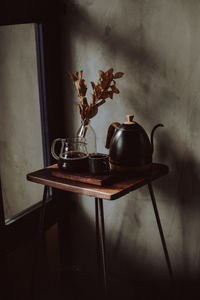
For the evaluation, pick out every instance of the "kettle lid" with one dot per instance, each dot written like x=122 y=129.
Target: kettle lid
x=129 y=119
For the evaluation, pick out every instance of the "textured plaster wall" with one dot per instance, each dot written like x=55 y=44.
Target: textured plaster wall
x=156 y=44
x=20 y=127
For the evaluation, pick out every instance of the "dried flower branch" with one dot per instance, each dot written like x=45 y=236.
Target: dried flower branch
x=105 y=88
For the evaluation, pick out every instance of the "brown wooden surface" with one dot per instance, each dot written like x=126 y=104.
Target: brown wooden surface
x=113 y=191
x=85 y=177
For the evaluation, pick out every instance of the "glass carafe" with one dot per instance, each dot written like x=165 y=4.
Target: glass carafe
x=73 y=154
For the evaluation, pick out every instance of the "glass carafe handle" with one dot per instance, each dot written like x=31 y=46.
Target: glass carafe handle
x=53 y=147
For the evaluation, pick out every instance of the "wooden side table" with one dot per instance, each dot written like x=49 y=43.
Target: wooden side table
x=110 y=192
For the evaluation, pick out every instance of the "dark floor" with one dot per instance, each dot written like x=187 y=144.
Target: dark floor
x=34 y=274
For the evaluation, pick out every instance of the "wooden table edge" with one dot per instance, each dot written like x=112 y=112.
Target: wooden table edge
x=110 y=192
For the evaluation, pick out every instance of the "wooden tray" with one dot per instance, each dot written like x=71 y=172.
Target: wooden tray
x=86 y=177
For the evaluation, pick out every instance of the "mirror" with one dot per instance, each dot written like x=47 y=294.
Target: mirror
x=21 y=137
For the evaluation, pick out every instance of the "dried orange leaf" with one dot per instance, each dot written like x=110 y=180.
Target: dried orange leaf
x=104 y=84
x=93 y=85
x=101 y=102
x=105 y=95
x=111 y=94
x=93 y=109
x=98 y=90
x=118 y=75
x=82 y=87
x=110 y=71
x=114 y=89
x=73 y=77
x=101 y=73
x=93 y=99
x=84 y=102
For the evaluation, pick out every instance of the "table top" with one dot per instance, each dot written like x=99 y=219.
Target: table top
x=122 y=185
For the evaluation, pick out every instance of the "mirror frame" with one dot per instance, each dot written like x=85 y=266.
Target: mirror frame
x=39 y=49
x=45 y=16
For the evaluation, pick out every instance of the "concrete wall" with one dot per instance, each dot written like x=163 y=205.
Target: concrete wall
x=156 y=44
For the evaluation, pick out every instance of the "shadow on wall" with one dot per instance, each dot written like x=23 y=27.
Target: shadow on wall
x=79 y=23
x=181 y=187
x=127 y=279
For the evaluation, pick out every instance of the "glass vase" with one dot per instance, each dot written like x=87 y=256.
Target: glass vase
x=88 y=132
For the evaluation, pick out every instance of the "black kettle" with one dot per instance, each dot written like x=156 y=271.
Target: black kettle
x=130 y=148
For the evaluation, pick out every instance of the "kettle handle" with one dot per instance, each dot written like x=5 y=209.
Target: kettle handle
x=152 y=135
x=110 y=133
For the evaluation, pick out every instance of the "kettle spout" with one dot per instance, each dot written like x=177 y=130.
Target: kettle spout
x=152 y=134
x=110 y=133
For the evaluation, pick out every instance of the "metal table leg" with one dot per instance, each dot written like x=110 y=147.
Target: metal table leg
x=40 y=259
x=160 y=230
x=101 y=251
x=42 y=213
